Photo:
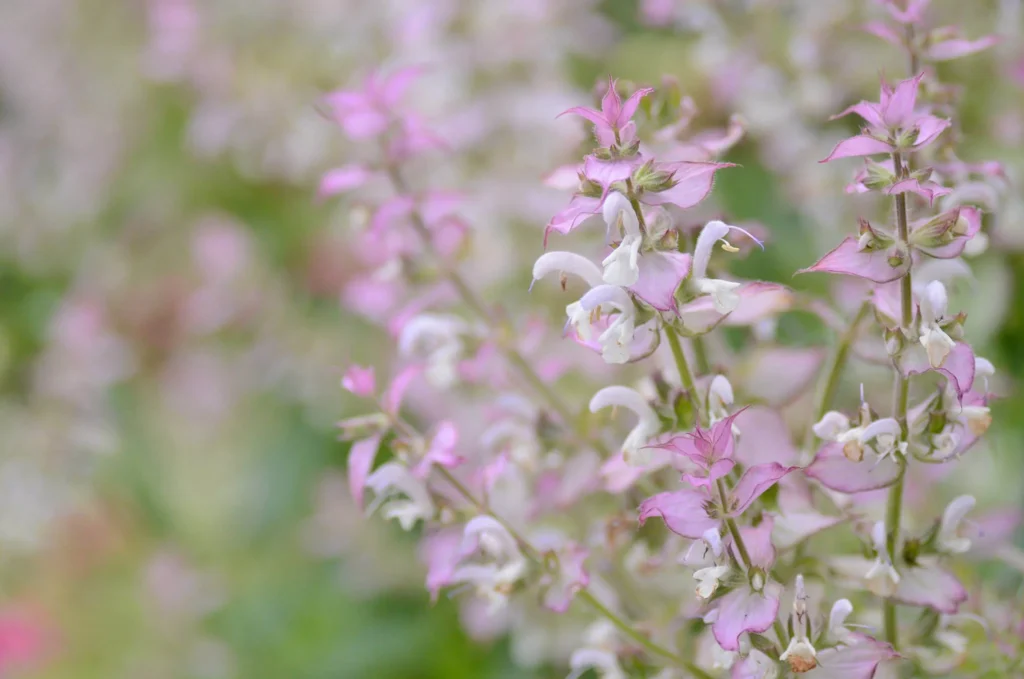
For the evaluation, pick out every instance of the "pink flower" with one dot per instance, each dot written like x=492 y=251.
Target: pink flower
x=909 y=12
x=687 y=184
x=947 y=44
x=343 y=179
x=560 y=588
x=25 y=640
x=856 y=661
x=613 y=124
x=754 y=301
x=360 y=461
x=710 y=449
x=873 y=256
x=441 y=450
x=393 y=397
x=753 y=605
x=580 y=209
x=660 y=275
x=440 y=552
x=893 y=124
x=957 y=366
x=367 y=112
x=685 y=512
x=359 y=380
x=836 y=471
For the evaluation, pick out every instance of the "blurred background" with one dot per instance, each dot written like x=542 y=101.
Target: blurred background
x=176 y=305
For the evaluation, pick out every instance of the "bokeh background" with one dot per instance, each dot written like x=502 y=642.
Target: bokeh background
x=176 y=306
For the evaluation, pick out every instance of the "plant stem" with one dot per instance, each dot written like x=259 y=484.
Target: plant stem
x=685 y=375
x=830 y=385
x=901 y=393
x=700 y=353
x=741 y=547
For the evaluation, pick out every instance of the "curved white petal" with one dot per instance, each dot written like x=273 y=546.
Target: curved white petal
x=569 y=262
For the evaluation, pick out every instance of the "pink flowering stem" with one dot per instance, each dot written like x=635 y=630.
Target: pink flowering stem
x=583 y=593
x=479 y=307
x=901 y=394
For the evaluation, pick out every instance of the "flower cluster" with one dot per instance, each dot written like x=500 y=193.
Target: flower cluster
x=786 y=512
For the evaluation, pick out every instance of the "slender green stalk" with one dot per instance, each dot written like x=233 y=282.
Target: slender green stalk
x=700 y=354
x=830 y=384
x=901 y=394
x=685 y=375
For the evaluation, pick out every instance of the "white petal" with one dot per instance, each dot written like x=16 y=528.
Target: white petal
x=616 y=207
x=933 y=302
x=831 y=425
x=569 y=262
x=622 y=266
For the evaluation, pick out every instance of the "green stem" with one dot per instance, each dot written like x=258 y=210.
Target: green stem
x=685 y=375
x=830 y=385
x=700 y=353
x=901 y=394
x=741 y=547
x=637 y=636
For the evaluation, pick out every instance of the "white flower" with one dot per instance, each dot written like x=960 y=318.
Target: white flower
x=647 y=424
x=723 y=293
x=885 y=434
x=503 y=563
x=567 y=262
x=708 y=580
x=937 y=344
x=622 y=267
x=437 y=340
x=837 y=630
x=722 y=659
x=720 y=398
x=598 y=653
x=882 y=577
x=389 y=482
x=617 y=339
x=949 y=539
x=831 y=426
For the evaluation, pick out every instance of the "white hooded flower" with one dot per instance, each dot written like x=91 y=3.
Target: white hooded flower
x=949 y=539
x=389 y=483
x=617 y=339
x=502 y=564
x=598 y=653
x=602 y=299
x=882 y=578
x=720 y=398
x=437 y=340
x=723 y=293
x=837 y=630
x=937 y=344
x=647 y=424
x=708 y=580
x=622 y=266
